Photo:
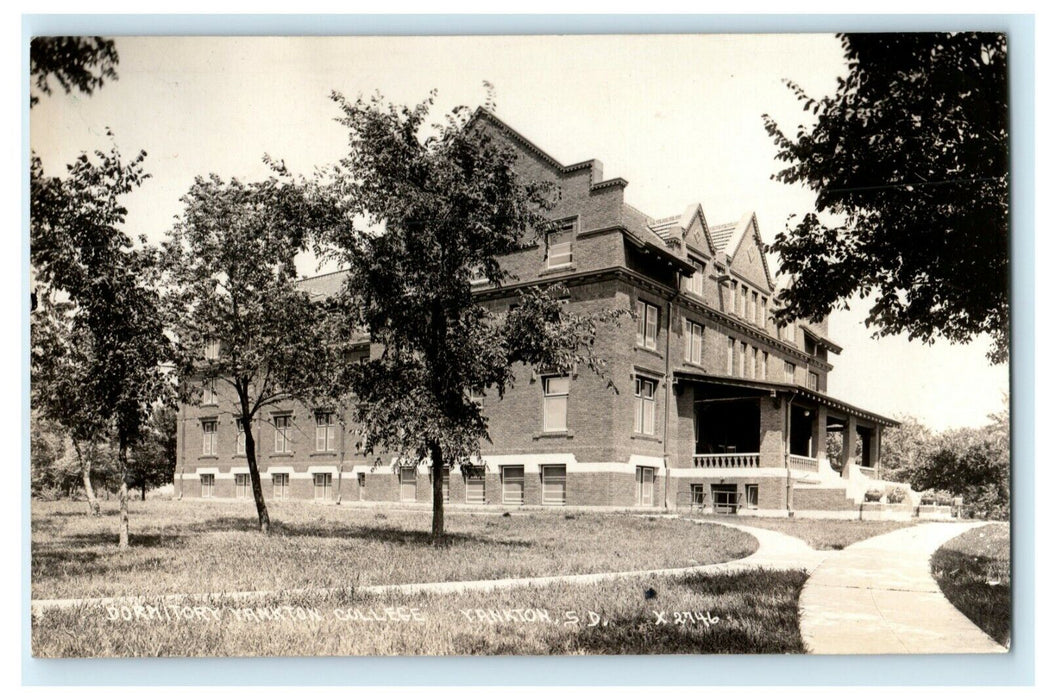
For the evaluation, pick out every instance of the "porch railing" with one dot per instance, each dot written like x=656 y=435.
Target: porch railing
x=725 y=461
x=804 y=464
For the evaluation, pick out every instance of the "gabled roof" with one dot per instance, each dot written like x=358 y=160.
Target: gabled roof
x=728 y=238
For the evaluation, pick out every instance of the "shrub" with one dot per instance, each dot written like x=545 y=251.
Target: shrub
x=896 y=494
x=872 y=496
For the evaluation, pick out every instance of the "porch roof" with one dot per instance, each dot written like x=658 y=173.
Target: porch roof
x=777 y=387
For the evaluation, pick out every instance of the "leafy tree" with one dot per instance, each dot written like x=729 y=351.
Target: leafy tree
x=98 y=341
x=152 y=461
x=75 y=62
x=232 y=285
x=423 y=214
x=909 y=162
x=904 y=449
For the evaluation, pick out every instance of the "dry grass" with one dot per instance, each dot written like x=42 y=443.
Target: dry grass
x=188 y=547
x=755 y=611
x=973 y=571
x=819 y=534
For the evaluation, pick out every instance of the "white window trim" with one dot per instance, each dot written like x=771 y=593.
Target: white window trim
x=210 y=443
x=648 y=318
x=643 y=404
x=279 y=431
x=545 y=480
x=690 y=332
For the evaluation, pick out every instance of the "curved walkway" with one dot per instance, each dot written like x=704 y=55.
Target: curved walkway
x=878 y=596
x=775 y=551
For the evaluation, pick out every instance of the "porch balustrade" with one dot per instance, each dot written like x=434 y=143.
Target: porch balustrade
x=726 y=461
x=804 y=464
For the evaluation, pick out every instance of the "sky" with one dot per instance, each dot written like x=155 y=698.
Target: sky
x=678 y=117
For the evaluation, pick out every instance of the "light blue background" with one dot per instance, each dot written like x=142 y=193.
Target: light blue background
x=1015 y=668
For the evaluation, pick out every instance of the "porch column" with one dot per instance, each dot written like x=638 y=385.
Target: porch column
x=876 y=450
x=819 y=439
x=848 y=447
x=771 y=437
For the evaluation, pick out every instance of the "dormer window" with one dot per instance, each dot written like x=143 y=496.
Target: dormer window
x=694 y=282
x=211 y=349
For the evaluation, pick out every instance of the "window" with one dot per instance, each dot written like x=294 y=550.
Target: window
x=513 y=486
x=744 y=309
x=325 y=431
x=724 y=498
x=322 y=486
x=555 y=404
x=243 y=485
x=763 y=320
x=361 y=484
x=763 y=368
x=694 y=282
x=697 y=494
x=753 y=362
x=742 y=366
x=693 y=342
x=475 y=485
x=814 y=381
x=554 y=483
x=730 y=355
x=644 y=406
x=788 y=370
x=647 y=324
x=280 y=486
x=559 y=246
x=208 y=397
x=733 y=291
x=789 y=334
x=408 y=483
x=207 y=485
x=210 y=428
x=646 y=477
x=476 y=396
x=753 y=310
x=241 y=439
x=751 y=493
x=280 y=433
x=211 y=349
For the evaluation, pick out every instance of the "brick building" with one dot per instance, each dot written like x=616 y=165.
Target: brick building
x=717 y=408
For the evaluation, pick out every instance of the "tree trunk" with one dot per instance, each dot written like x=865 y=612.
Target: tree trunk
x=437 y=469
x=143 y=491
x=256 y=480
x=85 y=475
x=124 y=529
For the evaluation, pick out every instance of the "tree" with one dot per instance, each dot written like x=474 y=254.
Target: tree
x=422 y=216
x=75 y=62
x=98 y=340
x=152 y=462
x=909 y=162
x=972 y=463
x=904 y=449
x=232 y=286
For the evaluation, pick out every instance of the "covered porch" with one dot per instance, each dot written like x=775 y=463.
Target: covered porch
x=735 y=423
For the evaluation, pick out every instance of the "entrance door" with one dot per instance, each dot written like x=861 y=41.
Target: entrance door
x=645 y=478
x=724 y=498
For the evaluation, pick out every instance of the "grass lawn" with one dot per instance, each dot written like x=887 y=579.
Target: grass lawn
x=748 y=612
x=819 y=534
x=973 y=571
x=197 y=546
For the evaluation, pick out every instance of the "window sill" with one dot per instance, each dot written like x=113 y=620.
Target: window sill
x=696 y=365
x=210 y=404
x=276 y=455
x=208 y=457
x=650 y=351
x=566 y=434
x=325 y=453
x=647 y=438
x=571 y=267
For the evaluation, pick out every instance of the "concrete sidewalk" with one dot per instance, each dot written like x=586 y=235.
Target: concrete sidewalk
x=878 y=596
x=775 y=551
